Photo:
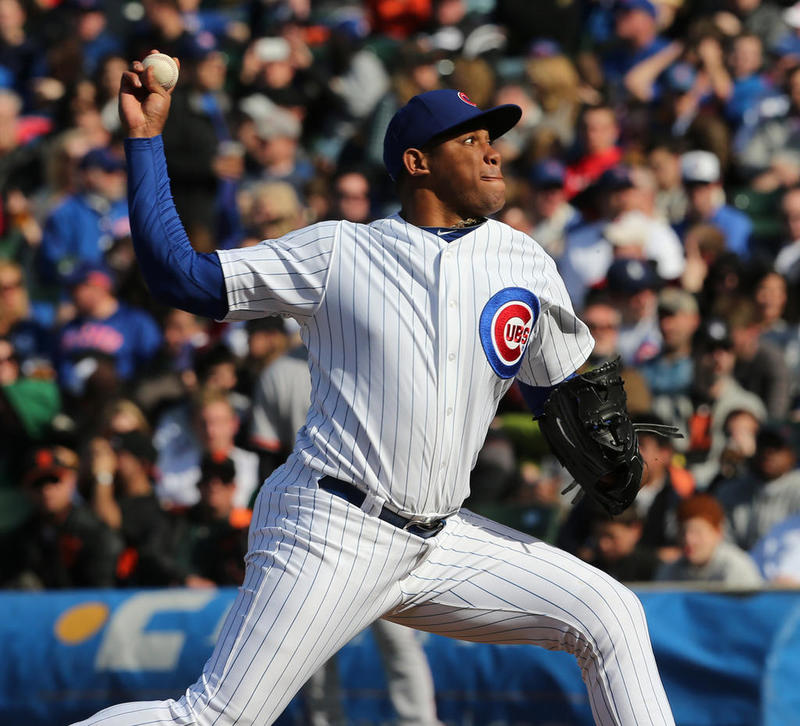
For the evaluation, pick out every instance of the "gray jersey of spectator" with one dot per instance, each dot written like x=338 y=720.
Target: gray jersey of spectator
x=729 y=565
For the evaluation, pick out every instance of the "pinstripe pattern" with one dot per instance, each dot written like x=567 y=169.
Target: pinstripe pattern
x=391 y=315
x=476 y=580
x=403 y=392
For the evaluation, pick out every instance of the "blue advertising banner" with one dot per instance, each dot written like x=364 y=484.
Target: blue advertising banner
x=726 y=660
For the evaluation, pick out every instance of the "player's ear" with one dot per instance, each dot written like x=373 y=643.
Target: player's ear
x=415 y=162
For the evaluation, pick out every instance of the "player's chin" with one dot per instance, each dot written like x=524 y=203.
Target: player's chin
x=493 y=200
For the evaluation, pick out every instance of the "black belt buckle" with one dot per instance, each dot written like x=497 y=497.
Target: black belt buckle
x=424 y=529
x=355 y=496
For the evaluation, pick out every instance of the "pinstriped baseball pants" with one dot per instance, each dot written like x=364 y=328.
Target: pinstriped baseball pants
x=319 y=570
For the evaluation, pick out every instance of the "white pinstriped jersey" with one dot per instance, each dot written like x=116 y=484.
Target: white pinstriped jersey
x=412 y=343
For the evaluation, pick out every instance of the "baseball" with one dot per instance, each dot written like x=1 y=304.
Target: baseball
x=164 y=67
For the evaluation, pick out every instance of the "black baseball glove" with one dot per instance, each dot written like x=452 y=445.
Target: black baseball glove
x=586 y=423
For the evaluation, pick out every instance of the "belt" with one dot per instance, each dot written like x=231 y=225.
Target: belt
x=355 y=496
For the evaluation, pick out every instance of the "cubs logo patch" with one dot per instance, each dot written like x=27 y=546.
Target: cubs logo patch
x=465 y=98
x=506 y=323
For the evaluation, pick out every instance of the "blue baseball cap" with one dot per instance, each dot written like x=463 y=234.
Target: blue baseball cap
x=622 y=6
x=102 y=158
x=436 y=113
x=548 y=173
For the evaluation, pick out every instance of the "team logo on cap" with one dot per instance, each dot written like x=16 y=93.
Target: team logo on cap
x=506 y=323
x=465 y=98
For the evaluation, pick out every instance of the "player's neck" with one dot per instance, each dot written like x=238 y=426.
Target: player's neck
x=423 y=212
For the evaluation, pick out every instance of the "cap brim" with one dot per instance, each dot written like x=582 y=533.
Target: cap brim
x=497 y=121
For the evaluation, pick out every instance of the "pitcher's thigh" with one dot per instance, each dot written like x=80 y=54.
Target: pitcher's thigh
x=488 y=583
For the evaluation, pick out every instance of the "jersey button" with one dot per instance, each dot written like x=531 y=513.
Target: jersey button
x=452 y=303
x=451 y=357
x=449 y=411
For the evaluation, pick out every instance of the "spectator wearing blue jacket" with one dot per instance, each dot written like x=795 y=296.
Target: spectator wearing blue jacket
x=700 y=172
x=103 y=327
x=85 y=224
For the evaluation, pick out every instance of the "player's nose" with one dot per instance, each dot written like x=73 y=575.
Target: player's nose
x=491 y=155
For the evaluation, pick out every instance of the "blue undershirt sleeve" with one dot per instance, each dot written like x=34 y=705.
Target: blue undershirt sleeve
x=175 y=273
x=536 y=396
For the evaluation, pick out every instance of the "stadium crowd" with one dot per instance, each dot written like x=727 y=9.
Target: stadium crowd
x=657 y=161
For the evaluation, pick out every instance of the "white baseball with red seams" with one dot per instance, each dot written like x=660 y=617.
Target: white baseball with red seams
x=164 y=67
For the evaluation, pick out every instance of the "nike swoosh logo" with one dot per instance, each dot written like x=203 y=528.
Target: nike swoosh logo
x=441 y=232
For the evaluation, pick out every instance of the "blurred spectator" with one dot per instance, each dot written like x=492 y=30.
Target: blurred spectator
x=122 y=496
x=624 y=199
x=704 y=245
x=773 y=134
x=634 y=286
x=62 y=545
x=670 y=201
x=787 y=262
x=707 y=557
x=211 y=536
x=771 y=299
x=281 y=398
x=553 y=217
x=664 y=485
x=272 y=210
x=170 y=375
x=604 y=320
x=92 y=32
x=599 y=134
x=636 y=26
x=617 y=547
x=183 y=436
x=21 y=157
x=103 y=326
x=715 y=394
x=760 y=366
x=351 y=197
x=777 y=554
x=278 y=152
x=21 y=55
x=398 y=19
x=123 y=416
x=205 y=160
x=27 y=407
x=700 y=171
x=671 y=371
x=769 y=493
x=740 y=429
x=163 y=27
x=761 y=17
x=32 y=341
x=748 y=85
x=82 y=227
x=557 y=88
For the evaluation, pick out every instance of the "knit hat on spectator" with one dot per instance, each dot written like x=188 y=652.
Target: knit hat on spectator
x=700 y=167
